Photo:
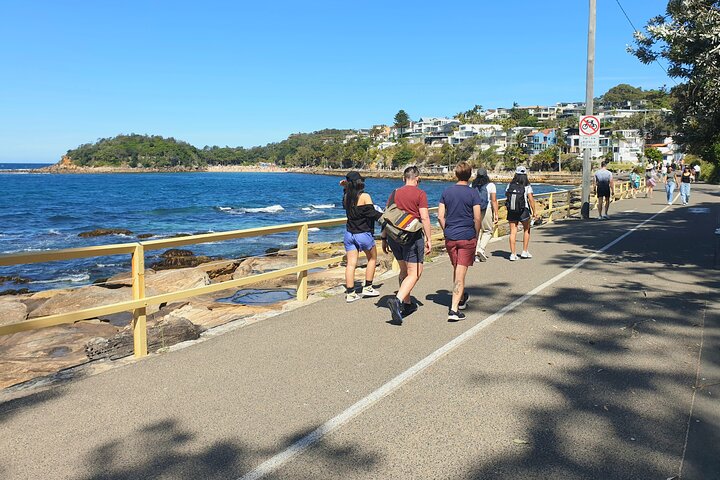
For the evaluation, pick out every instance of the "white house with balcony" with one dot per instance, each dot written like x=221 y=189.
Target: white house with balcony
x=435 y=125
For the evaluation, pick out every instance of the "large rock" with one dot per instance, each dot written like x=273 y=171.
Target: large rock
x=12 y=311
x=178 y=258
x=99 y=232
x=168 y=281
x=85 y=297
x=220 y=270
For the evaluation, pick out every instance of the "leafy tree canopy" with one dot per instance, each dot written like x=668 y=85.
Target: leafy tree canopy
x=687 y=37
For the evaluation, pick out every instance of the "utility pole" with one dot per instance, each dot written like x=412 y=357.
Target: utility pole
x=589 y=80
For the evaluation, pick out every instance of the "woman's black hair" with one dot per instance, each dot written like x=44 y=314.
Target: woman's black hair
x=521 y=179
x=353 y=190
x=481 y=180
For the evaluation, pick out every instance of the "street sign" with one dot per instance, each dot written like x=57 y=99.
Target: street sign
x=589 y=125
x=592 y=142
x=589 y=132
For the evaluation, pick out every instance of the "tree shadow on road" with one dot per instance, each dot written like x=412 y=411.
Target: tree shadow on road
x=623 y=354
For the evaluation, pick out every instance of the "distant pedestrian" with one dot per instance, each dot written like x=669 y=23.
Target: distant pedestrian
x=671 y=183
x=520 y=206
x=489 y=206
x=650 y=181
x=634 y=182
x=697 y=172
x=359 y=235
x=664 y=172
x=685 y=180
x=459 y=215
x=604 y=189
x=411 y=255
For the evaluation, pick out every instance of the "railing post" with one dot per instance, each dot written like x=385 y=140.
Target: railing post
x=569 y=202
x=302 y=258
x=139 y=325
x=550 y=208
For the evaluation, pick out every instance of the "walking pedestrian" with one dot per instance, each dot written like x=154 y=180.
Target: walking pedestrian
x=604 y=188
x=697 y=172
x=520 y=206
x=663 y=173
x=459 y=215
x=359 y=235
x=412 y=200
x=650 y=180
x=671 y=183
x=685 y=180
x=634 y=182
x=489 y=207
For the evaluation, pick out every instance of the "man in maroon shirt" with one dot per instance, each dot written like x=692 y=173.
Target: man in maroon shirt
x=410 y=256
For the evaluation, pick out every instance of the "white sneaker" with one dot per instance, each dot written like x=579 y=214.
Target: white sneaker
x=525 y=255
x=369 y=291
x=513 y=257
x=351 y=297
x=480 y=256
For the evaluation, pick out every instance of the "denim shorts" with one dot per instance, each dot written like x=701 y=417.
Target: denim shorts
x=358 y=241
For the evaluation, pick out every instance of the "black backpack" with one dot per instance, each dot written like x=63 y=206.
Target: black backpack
x=515 y=198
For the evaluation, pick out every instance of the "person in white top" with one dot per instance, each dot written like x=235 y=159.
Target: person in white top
x=489 y=206
x=697 y=171
x=520 y=206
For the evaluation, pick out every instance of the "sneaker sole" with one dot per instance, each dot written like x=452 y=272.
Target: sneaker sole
x=351 y=300
x=369 y=295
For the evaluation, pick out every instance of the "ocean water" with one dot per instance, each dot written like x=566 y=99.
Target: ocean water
x=48 y=211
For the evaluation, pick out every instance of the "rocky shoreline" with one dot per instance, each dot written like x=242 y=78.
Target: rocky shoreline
x=36 y=353
x=67 y=167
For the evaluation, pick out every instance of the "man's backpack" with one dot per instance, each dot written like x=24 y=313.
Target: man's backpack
x=398 y=225
x=515 y=198
x=484 y=197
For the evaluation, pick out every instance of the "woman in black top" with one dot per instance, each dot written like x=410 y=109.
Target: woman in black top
x=361 y=217
x=685 y=179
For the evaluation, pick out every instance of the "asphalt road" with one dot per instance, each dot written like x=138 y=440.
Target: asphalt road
x=608 y=369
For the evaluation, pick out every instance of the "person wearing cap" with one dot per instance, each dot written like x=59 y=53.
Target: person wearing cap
x=650 y=180
x=489 y=208
x=604 y=189
x=359 y=235
x=412 y=200
x=520 y=181
x=459 y=215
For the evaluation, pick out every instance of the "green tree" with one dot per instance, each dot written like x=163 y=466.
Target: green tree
x=687 y=36
x=402 y=121
x=653 y=154
x=403 y=156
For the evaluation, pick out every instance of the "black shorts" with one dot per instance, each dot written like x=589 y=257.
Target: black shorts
x=603 y=191
x=523 y=216
x=413 y=252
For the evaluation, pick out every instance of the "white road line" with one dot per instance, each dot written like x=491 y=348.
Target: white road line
x=313 y=437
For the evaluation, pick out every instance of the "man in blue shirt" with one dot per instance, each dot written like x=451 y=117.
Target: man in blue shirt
x=460 y=218
x=604 y=188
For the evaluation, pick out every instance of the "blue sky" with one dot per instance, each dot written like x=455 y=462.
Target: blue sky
x=248 y=73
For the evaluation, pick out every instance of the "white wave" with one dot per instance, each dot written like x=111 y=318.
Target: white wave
x=323 y=206
x=270 y=209
x=307 y=209
x=52 y=231
x=106 y=265
x=241 y=211
x=77 y=278
x=313 y=229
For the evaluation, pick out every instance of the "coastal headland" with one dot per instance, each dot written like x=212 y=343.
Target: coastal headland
x=66 y=166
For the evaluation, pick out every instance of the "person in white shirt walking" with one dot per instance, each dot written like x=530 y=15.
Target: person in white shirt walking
x=489 y=206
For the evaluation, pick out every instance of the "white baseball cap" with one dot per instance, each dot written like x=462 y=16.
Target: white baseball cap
x=521 y=170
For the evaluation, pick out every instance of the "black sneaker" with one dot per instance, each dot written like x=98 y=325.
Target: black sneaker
x=463 y=301
x=455 y=316
x=409 y=309
x=395 y=306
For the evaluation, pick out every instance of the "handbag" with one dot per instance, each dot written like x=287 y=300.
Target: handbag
x=400 y=226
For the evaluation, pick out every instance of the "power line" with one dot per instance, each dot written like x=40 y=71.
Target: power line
x=636 y=30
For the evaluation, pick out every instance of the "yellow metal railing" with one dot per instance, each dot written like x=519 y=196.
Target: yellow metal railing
x=139 y=302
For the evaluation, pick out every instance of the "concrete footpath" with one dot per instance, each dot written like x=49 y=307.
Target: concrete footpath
x=574 y=365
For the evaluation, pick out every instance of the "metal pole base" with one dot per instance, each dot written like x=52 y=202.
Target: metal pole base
x=585 y=210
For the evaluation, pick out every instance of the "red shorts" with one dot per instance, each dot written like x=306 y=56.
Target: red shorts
x=462 y=252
